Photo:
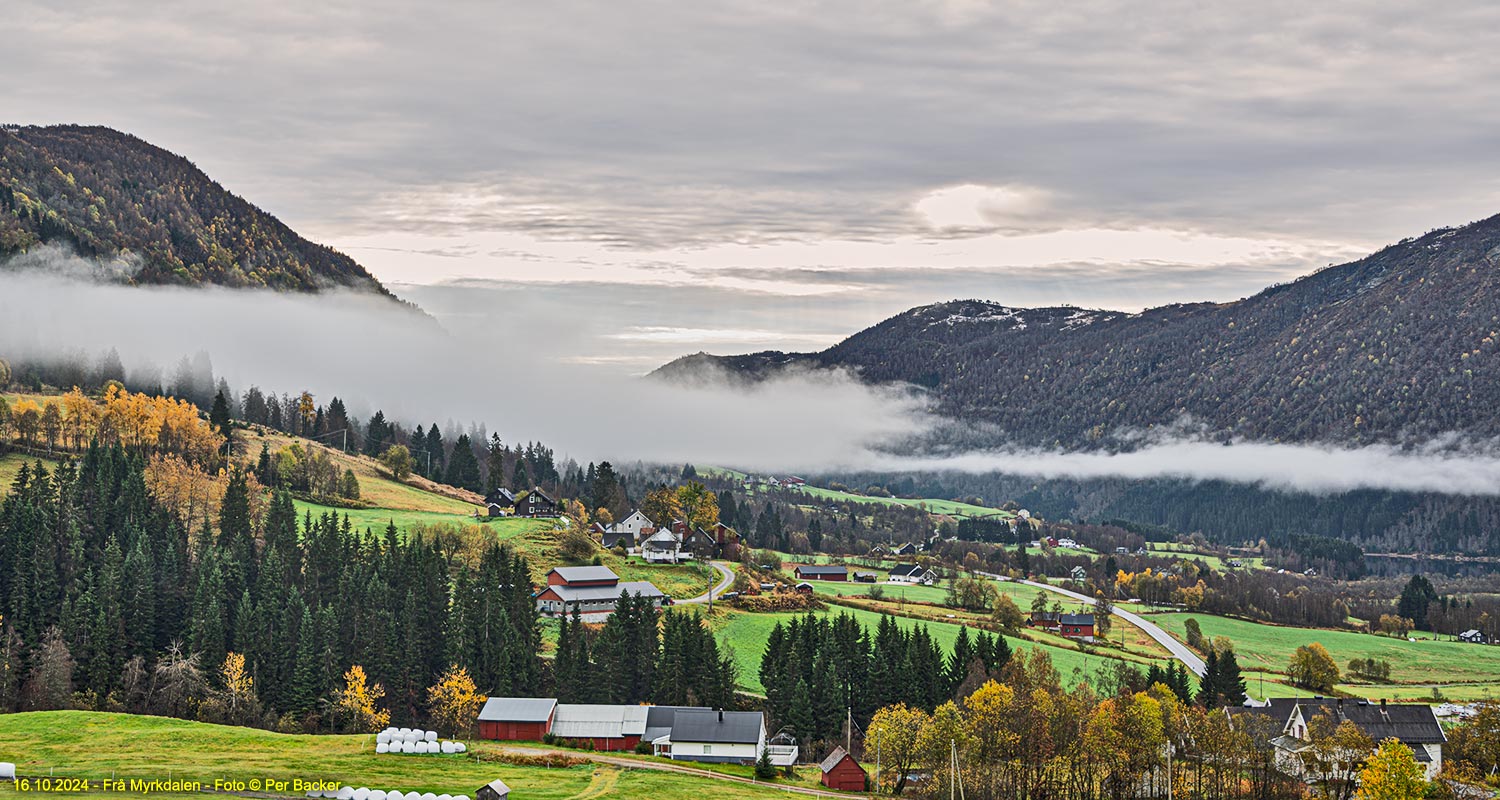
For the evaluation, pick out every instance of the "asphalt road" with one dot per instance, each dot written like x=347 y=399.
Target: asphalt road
x=1178 y=650
x=726 y=580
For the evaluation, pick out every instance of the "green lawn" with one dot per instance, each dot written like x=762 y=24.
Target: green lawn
x=10 y=465
x=747 y=633
x=1260 y=646
x=376 y=519
x=933 y=505
x=96 y=746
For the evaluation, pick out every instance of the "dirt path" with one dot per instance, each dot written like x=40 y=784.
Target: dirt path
x=661 y=766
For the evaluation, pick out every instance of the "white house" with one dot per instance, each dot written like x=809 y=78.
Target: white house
x=664 y=547
x=713 y=735
x=913 y=573
x=1413 y=724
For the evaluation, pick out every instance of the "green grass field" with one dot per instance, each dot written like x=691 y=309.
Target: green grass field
x=96 y=746
x=1269 y=647
x=376 y=519
x=747 y=633
x=933 y=505
x=10 y=465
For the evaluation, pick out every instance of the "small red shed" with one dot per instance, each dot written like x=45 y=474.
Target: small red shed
x=842 y=772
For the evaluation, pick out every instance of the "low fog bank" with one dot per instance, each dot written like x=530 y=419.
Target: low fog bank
x=1316 y=469
x=497 y=370
x=513 y=373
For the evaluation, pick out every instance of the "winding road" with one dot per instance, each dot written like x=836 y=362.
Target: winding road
x=726 y=580
x=1178 y=650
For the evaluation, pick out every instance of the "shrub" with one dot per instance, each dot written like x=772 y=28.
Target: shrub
x=644 y=748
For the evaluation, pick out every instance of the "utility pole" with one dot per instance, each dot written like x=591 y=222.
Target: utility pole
x=849 y=731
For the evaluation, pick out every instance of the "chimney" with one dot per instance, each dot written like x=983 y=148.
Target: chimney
x=1382 y=703
x=721 y=715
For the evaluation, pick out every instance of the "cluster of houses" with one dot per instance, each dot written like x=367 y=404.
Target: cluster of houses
x=1071 y=626
x=681 y=733
x=672 y=544
x=1414 y=725
x=592 y=591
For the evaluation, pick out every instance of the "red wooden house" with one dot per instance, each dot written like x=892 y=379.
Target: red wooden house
x=516 y=719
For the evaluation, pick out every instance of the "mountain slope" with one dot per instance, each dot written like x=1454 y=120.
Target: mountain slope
x=1399 y=346
x=106 y=194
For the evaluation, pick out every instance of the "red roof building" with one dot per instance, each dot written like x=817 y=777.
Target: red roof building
x=842 y=772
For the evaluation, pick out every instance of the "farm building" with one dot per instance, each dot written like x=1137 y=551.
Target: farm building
x=803 y=588
x=1076 y=626
x=516 y=719
x=603 y=727
x=842 y=772
x=1047 y=620
x=1473 y=636
x=866 y=577
x=907 y=549
x=592 y=590
x=913 y=573
x=818 y=572
x=664 y=547
x=630 y=531
x=1078 y=573
x=494 y=790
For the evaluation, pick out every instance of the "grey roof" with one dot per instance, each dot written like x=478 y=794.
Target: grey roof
x=498 y=787
x=595 y=594
x=821 y=569
x=909 y=569
x=571 y=574
x=575 y=721
x=659 y=720
x=834 y=758
x=706 y=725
x=1077 y=619
x=1407 y=722
x=517 y=709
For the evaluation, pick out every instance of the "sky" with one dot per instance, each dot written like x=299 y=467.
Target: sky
x=731 y=177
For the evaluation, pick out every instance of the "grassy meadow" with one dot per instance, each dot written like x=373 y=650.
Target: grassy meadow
x=98 y=745
x=10 y=465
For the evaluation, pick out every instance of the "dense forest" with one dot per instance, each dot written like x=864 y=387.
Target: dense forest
x=108 y=195
x=1396 y=347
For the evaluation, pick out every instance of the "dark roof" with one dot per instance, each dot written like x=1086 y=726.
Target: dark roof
x=726 y=727
x=659 y=720
x=539 y=493
x=1077 y=619
x=819 y=569
x=833 y=759
x=517 y=709
x=571 y=574
x=1408 y=722
x=908 y=569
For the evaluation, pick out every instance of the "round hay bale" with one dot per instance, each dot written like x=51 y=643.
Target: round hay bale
x=377 y=794
x=362 y=793
x=382 y=747
x=445 y=797
x=460 y=747
x=346 y=793
x=405 y=731
x=384 y=737
x=447 y=747
x=430 y=736
x=413 y=795
x=7 y=770
x=429 y=796
x=408 y=747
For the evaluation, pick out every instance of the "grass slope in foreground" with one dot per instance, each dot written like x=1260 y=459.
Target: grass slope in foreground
x=97 y=745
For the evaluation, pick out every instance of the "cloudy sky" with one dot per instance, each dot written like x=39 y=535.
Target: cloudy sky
x=742 y=176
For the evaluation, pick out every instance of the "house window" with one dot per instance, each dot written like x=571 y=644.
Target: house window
x=708 y=749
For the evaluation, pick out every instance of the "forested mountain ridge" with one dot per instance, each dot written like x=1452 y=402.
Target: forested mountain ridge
x=1398 y=346
x=105 y=194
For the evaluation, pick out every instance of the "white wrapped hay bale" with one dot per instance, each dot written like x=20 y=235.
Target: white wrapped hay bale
x=445 y=797
x=384 y=737
x=413 y=795
x=460 y=748
x=447 y=748
x=414 y=736
x=405 y=731
x=408 y=748
x=460 y=797
x=382 y=747
x=7 y=770
x=431 y=736
x=362 y=793
x=377 y=794
x=429 y=796
x=346 y=793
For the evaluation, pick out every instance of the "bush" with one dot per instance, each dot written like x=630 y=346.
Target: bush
x=644 y=749
x=549 y=738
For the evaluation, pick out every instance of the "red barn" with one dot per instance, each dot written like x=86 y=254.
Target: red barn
x=1077 y=626
x=517 y=719
x=842 y=772
x=817 y=572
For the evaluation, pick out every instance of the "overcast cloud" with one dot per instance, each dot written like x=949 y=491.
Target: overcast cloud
x=1105 y=154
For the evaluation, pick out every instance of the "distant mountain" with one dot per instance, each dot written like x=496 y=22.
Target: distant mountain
x=1399 y=346
x=107 y=194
